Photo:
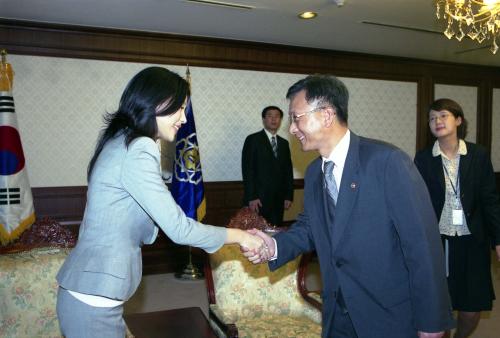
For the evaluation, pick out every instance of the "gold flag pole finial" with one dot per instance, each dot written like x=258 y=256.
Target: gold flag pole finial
x=6 y=73
x=4 y=56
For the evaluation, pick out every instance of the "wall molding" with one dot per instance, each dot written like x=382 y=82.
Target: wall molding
x=35 y=38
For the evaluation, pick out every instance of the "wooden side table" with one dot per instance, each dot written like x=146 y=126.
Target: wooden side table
x=185 y=322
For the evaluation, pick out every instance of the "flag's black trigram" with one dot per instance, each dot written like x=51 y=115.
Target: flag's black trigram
x=10 y=196
x=6 y=104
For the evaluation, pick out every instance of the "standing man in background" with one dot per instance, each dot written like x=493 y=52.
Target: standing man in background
x=267 y=169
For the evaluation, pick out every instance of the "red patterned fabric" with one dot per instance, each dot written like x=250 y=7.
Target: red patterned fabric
x=45 y=232
x=247 y=219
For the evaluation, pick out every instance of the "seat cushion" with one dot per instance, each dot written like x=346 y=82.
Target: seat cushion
x=278 y=326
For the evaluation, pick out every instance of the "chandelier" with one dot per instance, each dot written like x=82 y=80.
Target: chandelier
x=477 y=19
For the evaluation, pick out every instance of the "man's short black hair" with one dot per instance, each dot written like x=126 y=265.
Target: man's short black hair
x=265 y=110
x=327 y=89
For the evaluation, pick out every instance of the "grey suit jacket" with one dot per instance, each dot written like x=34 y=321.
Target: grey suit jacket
x=126 y=198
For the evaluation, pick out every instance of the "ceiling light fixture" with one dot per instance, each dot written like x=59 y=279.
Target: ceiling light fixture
x=308 y=15
x=477 y=19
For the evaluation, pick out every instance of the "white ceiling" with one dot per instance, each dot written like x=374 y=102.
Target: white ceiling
x=272 y=21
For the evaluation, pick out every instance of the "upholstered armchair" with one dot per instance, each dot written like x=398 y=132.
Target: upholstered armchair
x=247 y=300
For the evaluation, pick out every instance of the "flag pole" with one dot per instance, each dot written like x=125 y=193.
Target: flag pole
x=190 y=271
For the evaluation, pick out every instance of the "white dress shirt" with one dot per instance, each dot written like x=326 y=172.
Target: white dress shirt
x=338 y=156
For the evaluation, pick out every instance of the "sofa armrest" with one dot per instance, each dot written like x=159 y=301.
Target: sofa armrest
x=312 y=297
x=219 y=323
x=28 y=291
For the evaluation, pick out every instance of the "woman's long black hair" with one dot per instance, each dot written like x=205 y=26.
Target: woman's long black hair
x=136 y=114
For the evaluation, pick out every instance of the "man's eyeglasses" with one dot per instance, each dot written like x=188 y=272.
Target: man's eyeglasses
x=442 y=117
x=295 y=118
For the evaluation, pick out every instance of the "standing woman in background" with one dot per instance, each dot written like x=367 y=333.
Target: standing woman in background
x=461 y=182
x=126 y=201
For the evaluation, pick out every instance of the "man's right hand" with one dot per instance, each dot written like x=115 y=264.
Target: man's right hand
x=254 y=205
x=263 y=255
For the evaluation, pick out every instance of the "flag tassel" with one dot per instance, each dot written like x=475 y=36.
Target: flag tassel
x=6 y=237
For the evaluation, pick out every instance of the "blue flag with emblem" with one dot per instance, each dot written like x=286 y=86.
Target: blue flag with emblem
x=187 y=180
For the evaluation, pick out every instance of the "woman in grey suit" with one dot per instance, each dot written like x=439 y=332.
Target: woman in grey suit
x=126 y=203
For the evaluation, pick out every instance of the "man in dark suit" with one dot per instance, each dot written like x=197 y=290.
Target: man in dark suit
x=369 y=217
x=267 y=169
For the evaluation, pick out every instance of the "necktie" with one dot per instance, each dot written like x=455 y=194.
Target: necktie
x=274 y=145
x=331 y=185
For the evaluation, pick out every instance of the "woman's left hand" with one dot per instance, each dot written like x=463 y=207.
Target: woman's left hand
x=497 y=248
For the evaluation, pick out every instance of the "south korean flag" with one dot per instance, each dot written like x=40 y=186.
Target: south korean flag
x=16 y=201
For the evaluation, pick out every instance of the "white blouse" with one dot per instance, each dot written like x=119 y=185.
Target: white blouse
x=452 y=192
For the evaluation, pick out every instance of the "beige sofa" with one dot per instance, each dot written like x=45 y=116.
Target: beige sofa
x=28 y=290
x=28 y=286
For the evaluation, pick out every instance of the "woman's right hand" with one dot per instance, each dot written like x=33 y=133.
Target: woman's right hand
x=256 y=246
x=247 y=241
x=252 y=243
x=267 y=252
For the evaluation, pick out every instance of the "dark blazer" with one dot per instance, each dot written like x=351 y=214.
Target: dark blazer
x=266 y=177
x=477 y=189
x=383 y=250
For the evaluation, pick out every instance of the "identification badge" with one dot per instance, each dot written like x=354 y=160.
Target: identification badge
x=457 y=217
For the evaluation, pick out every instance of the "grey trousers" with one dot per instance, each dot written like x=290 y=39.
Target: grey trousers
x=80 y=320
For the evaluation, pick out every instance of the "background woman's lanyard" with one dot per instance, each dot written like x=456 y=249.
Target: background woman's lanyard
x=457 y=184
x=457 y=212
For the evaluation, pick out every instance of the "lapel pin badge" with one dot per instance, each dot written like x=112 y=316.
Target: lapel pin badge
x=353 y=185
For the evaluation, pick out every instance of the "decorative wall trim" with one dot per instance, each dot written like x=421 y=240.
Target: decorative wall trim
x=67 y=205
x=64 y=204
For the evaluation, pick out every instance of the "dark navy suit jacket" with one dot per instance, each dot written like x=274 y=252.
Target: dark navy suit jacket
x=383 y=249
x=477 y=189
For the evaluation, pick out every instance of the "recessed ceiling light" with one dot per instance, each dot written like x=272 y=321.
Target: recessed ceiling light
x=308 y=15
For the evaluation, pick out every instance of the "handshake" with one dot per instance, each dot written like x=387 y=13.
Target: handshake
x=257 y=246
x=251 y=232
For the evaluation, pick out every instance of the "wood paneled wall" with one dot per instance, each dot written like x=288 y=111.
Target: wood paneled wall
x=66 y=204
